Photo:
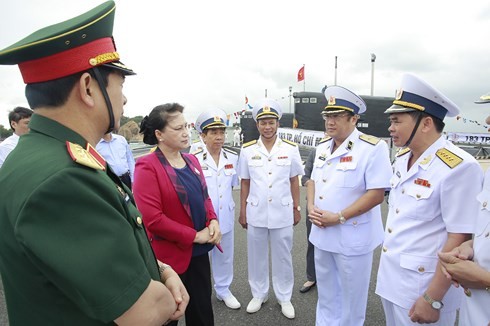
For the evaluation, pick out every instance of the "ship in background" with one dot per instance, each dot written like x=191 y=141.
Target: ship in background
x=306 y=125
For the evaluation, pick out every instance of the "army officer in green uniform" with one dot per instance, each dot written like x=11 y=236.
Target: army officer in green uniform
x=73 y=249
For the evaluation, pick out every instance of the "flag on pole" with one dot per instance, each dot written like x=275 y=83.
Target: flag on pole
x=301 y=74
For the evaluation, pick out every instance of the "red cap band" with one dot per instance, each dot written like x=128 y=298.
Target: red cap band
x=69 y=62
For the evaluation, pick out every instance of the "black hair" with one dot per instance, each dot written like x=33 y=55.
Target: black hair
x=157 y=120
x=438 y=123
x=18 y=114
x=54 y=93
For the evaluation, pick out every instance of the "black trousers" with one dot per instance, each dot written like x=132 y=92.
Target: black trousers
x=126 y=179
x=197 y=281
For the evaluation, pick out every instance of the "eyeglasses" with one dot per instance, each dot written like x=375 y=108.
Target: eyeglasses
x=334 y=117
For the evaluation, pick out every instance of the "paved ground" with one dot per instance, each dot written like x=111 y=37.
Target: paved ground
x=270 y=314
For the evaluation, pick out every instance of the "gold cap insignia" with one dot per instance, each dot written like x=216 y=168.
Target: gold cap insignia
x=399 y=93
x=267 y=109
x=217 y=119
x=331 y=100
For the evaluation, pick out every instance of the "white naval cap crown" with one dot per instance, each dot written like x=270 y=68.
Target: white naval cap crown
x=415 y=94
x=340 y=99
x=209 y=119
x=266 y=108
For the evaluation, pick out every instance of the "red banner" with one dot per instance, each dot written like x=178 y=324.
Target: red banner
x=301 y=74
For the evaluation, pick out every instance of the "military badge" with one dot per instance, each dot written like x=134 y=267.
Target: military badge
x=229 y=166
x=399 y=94
x=422 y=182
x=346 y=159
x=350 y=145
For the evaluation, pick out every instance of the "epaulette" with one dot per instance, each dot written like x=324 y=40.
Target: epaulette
x=153 y=149
x=369 y=139
x=402 y=151
x=290 y=142
x=324 y=140
x=88 y=157
x=198 y=151
x=196 y=141
x=230 y=151
x=448 y=157
x=249 y=143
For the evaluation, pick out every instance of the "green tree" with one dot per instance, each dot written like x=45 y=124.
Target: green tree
x=4 y=133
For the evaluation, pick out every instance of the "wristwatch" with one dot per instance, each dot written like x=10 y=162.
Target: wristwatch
x=341 y=218
x=437 y=305
x=298 y=208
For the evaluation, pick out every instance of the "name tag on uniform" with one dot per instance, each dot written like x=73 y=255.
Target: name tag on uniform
x=282 y=157
x=229 y=166
x=346 y=159
x=256 y=157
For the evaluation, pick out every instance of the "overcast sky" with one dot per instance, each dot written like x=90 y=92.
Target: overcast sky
x=211 y=54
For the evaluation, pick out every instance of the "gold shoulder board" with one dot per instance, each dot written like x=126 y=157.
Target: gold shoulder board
x=289 y=142
x=199 y=150
x=230 y=151
x=249 y=143
x=402 y=151
x=369 y=139
x=452 y=160
x=324 y=140
x=83 y=157
x=196 y=141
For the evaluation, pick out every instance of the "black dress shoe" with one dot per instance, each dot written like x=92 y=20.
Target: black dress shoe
x=305 y=289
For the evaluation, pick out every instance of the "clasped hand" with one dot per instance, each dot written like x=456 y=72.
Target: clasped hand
x=210 y=234
x=322 y=218
x=457 y=265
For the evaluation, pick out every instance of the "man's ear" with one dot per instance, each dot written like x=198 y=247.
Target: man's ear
x=427 y=123
x=85 y=89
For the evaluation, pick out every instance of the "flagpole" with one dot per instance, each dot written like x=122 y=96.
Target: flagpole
x=335 y=80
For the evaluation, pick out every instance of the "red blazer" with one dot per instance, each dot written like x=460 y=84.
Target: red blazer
x=169 y=227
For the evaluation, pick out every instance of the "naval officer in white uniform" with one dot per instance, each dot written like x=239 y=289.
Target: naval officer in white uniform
x=432 y=208
x=219 y=166
x=269 y=206
x=351 y=172
x=469 y=264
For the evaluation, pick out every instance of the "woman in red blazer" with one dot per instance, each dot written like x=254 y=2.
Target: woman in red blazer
x=170 y=191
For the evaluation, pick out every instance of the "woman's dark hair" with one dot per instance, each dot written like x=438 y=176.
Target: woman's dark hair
x=157 y=120
x=55 y=93
x=438 y=123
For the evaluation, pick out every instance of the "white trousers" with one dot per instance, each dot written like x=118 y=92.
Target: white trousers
x=281 y=244
x=343 y=285
x=398 y=316
x=222 y=265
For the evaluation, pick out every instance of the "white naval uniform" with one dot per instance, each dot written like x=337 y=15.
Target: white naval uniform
x=269 y=214
x=435 y=197
x=196 y=145
x=220 y=180
x=342 y=251
x=475 y=309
